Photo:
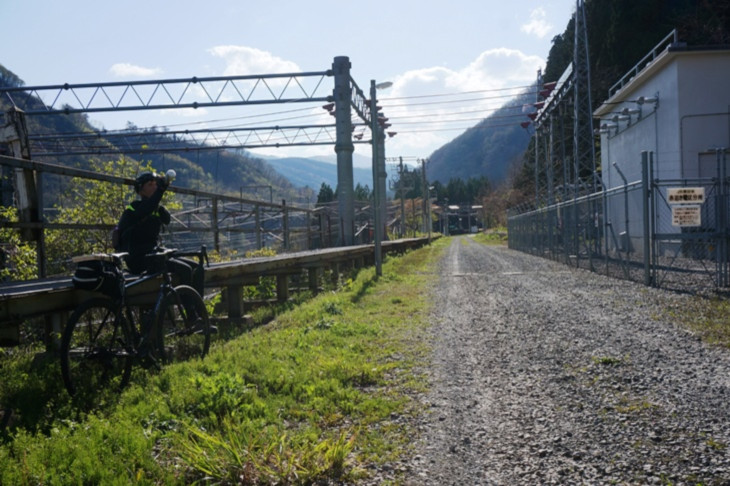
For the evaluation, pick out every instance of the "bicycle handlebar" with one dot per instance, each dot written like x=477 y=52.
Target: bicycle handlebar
x=168 y=253
x=202 y=255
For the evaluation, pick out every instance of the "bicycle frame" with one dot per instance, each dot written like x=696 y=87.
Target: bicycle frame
x=138 y=331
x=103 y=339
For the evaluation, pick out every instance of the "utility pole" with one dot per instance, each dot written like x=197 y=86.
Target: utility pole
x=402 y=199
x=424 y=195
x=378 y=140
x=537 y=145
x=344 y=149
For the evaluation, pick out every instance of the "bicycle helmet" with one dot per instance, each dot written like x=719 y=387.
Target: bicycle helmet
x=142 y=179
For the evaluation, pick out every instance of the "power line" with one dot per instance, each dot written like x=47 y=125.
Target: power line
x=460 y=93
x=458 y=120
x=314 y=114
x=499 y=125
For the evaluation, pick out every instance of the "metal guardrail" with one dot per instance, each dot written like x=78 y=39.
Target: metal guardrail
x=56 y=297
x=668 y=41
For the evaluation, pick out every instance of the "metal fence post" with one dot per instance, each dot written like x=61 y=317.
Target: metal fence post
x=721 y=248
x=258 y=227
x=285 y=225
x=645 y=191
x=214 y=225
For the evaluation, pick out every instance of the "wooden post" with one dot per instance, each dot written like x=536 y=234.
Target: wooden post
x=234 y=301
x=282 y=288
x=314 y=279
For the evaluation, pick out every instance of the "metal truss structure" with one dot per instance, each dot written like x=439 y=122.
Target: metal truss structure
x=129 y=142
x=565 y=165
x=169 y=93
x=345 y=102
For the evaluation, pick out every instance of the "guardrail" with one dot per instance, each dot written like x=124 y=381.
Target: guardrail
x=55 y=298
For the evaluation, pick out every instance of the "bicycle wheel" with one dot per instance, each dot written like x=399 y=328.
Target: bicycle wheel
x=95 y=349
x=183 y=328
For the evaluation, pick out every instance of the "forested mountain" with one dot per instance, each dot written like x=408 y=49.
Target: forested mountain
x=312 y=173
x=488 y=149
x=620 y=33
x=229 y=172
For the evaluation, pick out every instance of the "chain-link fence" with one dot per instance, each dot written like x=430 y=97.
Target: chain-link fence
x=665 y=233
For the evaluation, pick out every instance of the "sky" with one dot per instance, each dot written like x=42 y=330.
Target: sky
x=450 y=62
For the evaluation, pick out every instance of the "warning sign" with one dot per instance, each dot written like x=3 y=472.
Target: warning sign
x=686 y=216
x=686 y=195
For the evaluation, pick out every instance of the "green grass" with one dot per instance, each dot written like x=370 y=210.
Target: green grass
x=306 y=398
x=708 y=317
x=495 y=236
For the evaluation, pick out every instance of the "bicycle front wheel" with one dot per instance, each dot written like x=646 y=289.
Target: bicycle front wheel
x=183 y=326
x=95 y=349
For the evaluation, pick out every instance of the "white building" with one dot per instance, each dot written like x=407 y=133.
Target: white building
x=676 y=104
x=685 y=113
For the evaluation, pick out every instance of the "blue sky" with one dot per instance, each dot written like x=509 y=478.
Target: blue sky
x=426 y=48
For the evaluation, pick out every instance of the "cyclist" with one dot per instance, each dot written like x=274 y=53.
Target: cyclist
x=139 y=232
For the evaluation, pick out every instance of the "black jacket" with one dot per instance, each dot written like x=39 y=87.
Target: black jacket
x=139 y=228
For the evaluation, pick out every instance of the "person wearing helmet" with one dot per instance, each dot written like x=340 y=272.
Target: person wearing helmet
x=139 y=231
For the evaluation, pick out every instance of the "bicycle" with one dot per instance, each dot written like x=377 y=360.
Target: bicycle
x=105 y=335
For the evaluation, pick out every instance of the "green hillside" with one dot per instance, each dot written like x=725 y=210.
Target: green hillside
x=487 y=149
x=312 y=173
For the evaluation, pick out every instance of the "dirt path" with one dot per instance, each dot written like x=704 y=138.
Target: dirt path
x=543 y=374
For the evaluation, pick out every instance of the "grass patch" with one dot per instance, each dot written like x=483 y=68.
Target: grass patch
x=495 y=236
x=709 y=317
x=306 y=398
x=607 y=360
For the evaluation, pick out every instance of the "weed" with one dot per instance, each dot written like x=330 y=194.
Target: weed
x=305 y=399
x=332 y=308
x=606 y=360
x=495 y=236
x=715 y=444
x=634 y=406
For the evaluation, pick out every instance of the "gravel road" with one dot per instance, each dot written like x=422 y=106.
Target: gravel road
x=543 y=374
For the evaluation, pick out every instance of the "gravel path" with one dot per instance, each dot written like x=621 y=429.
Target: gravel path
x=543 y=374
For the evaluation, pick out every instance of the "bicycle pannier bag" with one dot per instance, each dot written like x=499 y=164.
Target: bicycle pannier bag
x=99 y=276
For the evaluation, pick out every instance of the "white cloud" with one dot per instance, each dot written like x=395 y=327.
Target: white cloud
x=243 y=60
x=537 y=25
x=488 y=82
x=472 y=91
x=497 y=68
x=124 y=69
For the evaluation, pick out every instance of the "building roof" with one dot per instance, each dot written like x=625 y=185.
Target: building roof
x=630 y=84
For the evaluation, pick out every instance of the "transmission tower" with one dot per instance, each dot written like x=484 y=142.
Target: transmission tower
x=584 y=157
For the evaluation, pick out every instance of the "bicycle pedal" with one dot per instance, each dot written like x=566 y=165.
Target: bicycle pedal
x=147 y=362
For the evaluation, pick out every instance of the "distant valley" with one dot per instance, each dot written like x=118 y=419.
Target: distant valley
x=312 y=172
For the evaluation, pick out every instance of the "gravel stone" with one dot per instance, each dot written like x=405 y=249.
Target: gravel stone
x=546 y=374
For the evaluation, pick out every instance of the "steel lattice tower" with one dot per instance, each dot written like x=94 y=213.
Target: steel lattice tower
x=584 y=158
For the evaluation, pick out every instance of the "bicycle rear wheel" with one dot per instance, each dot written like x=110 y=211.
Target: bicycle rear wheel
x=183 y=326
x=95 y=349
